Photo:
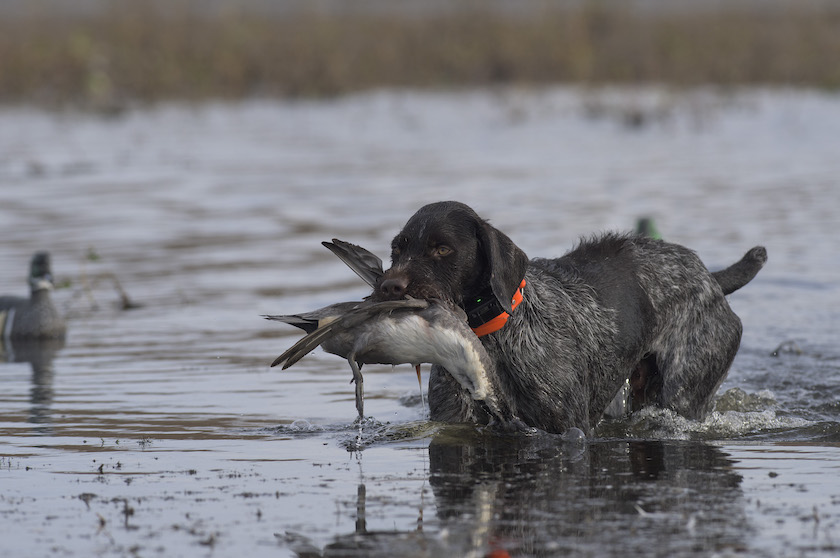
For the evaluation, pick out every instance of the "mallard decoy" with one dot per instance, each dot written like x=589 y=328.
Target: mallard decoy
x=35 y=317
x=645 y=226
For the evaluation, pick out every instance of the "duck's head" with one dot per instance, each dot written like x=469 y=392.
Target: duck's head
x=40 y=275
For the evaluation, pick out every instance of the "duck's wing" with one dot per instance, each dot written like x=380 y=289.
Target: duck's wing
x=365 y=264
x=305 y=345
x=309 y=321
x=345 y=323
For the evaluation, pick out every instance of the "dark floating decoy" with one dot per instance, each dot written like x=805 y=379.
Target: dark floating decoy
x=646 y=226
x=35 y=317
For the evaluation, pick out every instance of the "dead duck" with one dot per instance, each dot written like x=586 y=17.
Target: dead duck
x=408 y=331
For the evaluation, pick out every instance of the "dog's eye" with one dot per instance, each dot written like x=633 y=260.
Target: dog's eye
x=396 y=246
x=442 y=251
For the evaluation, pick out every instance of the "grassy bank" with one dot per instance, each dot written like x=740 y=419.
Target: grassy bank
x=133 y=51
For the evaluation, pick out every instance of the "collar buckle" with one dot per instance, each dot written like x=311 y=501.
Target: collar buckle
x=489 y=317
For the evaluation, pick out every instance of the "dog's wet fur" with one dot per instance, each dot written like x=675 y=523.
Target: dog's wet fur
x=617 y=307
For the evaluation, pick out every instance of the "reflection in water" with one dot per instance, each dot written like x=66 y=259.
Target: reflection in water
x=534 y=497
x=40 y=354
x=364 y=543
x=510 y=496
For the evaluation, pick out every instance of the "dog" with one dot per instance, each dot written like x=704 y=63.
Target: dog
x=566 y=334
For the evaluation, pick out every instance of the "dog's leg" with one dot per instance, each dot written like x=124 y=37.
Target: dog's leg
x=645 y=383
x=694 y=358
x=448 y=401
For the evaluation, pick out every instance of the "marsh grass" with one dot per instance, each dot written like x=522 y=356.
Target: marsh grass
x=137 y=51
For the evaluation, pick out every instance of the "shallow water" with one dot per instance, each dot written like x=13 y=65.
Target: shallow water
x=160 y=430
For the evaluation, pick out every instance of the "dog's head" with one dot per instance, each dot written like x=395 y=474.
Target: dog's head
x=447 y=251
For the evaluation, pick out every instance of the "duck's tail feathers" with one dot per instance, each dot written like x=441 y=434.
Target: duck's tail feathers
x=304 y=322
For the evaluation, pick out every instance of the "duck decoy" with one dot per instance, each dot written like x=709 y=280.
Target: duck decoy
x=35 y=317
x=646 y=226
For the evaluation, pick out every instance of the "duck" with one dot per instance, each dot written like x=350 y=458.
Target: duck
x=645 y=226
x=406 y=331
x=35 y=317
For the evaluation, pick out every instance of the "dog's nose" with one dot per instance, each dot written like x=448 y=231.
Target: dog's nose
x=394 y=287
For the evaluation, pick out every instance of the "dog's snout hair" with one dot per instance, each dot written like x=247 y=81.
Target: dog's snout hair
x=616 y=308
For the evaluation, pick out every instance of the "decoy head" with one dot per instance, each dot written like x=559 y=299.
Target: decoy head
x=40 y=275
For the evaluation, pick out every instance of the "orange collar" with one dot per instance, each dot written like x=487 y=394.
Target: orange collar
x=497 y=323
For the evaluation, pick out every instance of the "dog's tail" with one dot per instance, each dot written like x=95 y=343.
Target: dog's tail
x=740 y=273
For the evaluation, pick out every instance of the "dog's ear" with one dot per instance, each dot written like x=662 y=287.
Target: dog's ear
x=507 y=263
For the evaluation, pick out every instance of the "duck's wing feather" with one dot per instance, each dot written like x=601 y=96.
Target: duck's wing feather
x=365 y=264
x=351 y=319
x=309 y=321
x=307 y=324
x=305 y=345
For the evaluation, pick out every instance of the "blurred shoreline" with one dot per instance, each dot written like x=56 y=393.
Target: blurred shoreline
x=104 y=55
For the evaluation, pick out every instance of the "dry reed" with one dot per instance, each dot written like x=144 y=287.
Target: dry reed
x=135 y=51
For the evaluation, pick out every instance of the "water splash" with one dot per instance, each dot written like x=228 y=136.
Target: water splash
x=369 y=431
x=737 y=414
x=738 y=400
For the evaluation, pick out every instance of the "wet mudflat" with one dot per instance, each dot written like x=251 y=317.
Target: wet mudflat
x=160 y=430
